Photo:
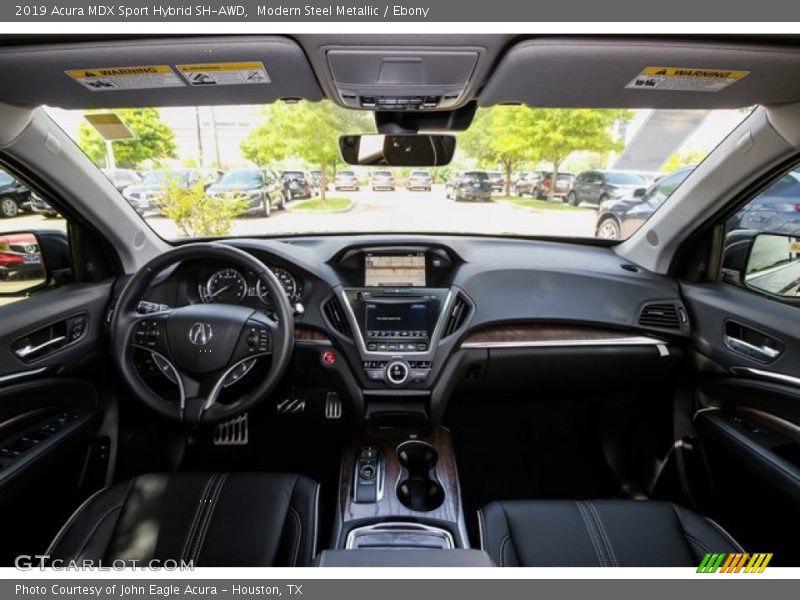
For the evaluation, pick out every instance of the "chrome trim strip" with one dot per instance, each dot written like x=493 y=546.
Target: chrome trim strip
x=779 y=377
x=21 y=374
x=622 y=341
x=399 y=527
x=359 y=335
x=26 y=351
x=212 y=396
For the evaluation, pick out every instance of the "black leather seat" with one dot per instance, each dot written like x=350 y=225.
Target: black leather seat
x=213 y=519
x=598 y=533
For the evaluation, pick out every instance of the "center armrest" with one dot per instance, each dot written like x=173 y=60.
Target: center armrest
x=403 y=558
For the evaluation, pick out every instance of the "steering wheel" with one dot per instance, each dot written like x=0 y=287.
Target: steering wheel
x=202 y=347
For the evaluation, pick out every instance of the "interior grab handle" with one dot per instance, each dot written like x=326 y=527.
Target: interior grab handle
x=28 y=350
x=762 y=352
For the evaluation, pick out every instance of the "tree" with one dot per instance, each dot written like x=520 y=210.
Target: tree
x=682 y=159
x=154 y=139
x=501 y=135
x=195 y=213
x=557 y=133
x=308 y=130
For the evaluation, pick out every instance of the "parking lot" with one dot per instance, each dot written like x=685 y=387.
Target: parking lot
x=385 y=211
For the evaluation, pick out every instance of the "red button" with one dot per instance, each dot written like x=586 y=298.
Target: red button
x=329 y=357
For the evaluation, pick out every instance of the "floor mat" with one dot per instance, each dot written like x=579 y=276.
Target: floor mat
x=546 y=449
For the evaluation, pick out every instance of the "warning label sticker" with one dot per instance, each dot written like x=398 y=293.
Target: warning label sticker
x=211 y=74
x=680 y=79
x=127 y=78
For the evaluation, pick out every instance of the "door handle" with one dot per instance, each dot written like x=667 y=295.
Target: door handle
x=762 y=352
x=28 y=350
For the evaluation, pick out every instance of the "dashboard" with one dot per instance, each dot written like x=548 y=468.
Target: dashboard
x=412 y=319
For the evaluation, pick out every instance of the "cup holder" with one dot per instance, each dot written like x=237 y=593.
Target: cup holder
x=418 y=488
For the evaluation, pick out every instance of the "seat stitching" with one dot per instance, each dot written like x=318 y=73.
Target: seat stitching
x=68 y=525
x=603 y=533
x=696 y=542
x=503 y=549
x=508 y=528
x=197 y=511
x=95 y=528
x=209 y=516
x=726 y=535
x=590 y=529
x=296 y=550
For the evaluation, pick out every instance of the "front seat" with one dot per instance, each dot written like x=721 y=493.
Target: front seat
x=598 y=533
x=212 y=519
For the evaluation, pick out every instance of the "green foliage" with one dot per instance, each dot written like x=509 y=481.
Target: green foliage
x=197 y=215
x=154 y=140
x=306 y=130
x=328 y=205
x=500 y=136
x=682 y=159
x=514 y=135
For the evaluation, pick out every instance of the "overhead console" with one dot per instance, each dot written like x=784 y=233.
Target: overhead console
x=399 y=79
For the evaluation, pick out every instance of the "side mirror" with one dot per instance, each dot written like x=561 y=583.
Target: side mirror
x=773 y=265
x=639 y=192
x=22 y=268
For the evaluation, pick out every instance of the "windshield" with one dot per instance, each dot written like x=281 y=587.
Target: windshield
x=625 y=179
x=241 y=177
x=599 y=157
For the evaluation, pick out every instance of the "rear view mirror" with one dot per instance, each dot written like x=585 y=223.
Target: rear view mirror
x=416 y=150
x=773 y=265
x=21 y=263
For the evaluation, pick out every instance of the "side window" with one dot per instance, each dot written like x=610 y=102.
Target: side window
x=762 y=241
x=25 y=216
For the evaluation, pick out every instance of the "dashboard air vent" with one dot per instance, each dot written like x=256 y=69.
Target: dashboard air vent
x=333 y=311
x=458 y=314
x=664 y=316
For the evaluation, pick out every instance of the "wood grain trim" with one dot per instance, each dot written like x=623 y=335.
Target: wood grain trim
x=310 y=334
x=770 y=421
x=541 y=332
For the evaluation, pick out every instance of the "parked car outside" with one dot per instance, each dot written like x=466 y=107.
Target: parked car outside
x=253 y=185
x=346 y=180
x=122 y=178
x=497 y=181
x=618 y=219
x=14 y=196
x=382 y=180
x=316 y=180
x=41 y=207
x=595 y=187
x=297 y=184
x=419 y=180
x=538 y=183
x=145 y=196
x=776 y=209
x=472 y=185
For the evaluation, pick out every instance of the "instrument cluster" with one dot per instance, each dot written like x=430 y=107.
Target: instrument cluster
x=231 y=286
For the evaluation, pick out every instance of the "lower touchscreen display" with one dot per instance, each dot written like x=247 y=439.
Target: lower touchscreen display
x=396 y=320
x=394 y=270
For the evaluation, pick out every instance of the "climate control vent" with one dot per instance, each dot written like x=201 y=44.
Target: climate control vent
x=335 y=315
x=458 y=315
x=661 y=315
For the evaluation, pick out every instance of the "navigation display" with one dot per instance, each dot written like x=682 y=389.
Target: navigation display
x=394 y=270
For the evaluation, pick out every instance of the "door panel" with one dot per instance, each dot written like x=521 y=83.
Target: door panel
x=747 y=413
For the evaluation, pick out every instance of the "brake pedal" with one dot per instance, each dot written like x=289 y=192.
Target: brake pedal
x=333 y=406
x=233 y=432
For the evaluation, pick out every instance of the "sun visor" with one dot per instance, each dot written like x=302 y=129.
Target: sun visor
x=575 y=73
x=162 y=72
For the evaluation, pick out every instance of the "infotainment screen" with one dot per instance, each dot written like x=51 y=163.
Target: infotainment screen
x=395 y=320
x=394 y=270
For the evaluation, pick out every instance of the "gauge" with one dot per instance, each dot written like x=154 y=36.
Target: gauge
x=286 y=280
x=227 y=286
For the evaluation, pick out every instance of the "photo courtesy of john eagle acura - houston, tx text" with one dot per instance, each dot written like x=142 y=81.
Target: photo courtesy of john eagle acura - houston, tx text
x=328 y=296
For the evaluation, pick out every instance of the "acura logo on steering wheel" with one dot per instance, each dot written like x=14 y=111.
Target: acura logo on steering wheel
x=200 y=334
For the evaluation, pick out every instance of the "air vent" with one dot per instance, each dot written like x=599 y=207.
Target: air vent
x=333 y=311
x=663 y=316
x=458 y=314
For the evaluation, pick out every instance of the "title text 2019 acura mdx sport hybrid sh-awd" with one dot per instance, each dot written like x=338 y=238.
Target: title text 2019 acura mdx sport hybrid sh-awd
x=395 y=378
